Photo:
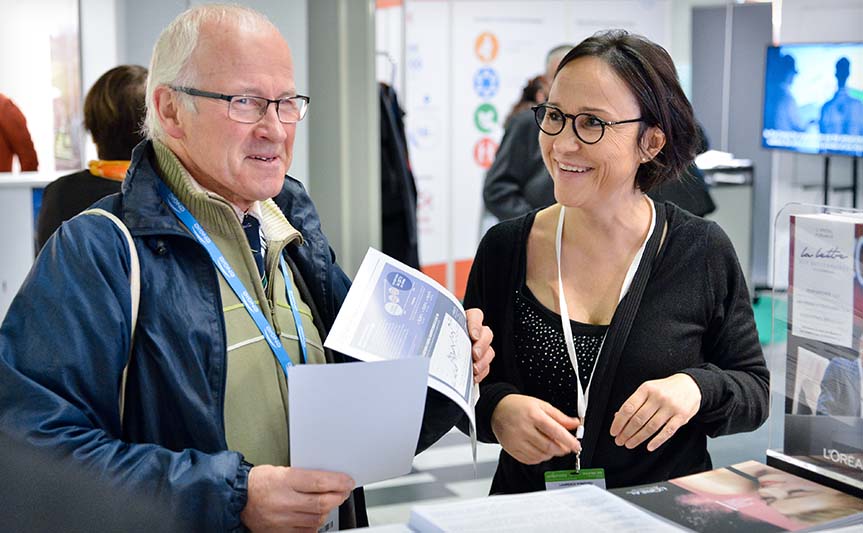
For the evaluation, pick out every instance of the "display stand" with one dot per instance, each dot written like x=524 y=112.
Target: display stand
x=818 y=250
x=854 y=178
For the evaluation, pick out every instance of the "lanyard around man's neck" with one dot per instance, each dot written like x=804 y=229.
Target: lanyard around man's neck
x=237 y=286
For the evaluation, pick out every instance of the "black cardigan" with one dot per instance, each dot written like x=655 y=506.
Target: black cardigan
x=694 y=317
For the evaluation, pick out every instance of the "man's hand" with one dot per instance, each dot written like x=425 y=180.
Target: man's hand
x=282 y=498
x=660 y=407
x=533 y=431
x=481 y=350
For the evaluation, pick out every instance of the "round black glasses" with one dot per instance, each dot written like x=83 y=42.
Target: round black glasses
x=588 y=128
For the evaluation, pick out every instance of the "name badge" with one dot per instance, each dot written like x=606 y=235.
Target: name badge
x=559 y=479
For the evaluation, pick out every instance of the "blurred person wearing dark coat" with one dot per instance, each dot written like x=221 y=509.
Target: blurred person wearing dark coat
x=113 y=113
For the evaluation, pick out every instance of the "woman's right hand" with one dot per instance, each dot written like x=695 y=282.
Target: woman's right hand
x=533 y=431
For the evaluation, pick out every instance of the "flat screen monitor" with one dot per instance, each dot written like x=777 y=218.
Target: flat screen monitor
x=813 y=98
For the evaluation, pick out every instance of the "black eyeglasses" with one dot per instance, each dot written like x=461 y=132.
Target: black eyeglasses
x=588 y=128
x=250 y=109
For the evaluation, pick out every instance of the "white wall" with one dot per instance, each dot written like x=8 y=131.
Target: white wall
x=442 y=100
x=25 y=64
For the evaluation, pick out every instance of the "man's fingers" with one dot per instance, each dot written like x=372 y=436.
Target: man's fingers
x=320 y=481
x=474 y=323
x=482 y=365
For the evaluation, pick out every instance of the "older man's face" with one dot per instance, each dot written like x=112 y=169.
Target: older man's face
x=241 y=162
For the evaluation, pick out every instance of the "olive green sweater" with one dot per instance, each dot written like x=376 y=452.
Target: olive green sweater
x=256 y=395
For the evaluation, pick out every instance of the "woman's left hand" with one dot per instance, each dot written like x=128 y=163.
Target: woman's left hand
x=659 y=407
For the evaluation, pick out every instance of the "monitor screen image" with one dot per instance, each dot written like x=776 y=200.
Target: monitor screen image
x=813 y=98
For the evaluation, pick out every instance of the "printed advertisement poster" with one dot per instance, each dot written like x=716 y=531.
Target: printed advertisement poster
x=823 y=428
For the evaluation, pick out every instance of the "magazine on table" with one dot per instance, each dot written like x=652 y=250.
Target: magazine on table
x=749 y=497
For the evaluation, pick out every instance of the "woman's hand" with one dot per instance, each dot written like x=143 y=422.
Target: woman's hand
x=659 y=407
x=533 y=431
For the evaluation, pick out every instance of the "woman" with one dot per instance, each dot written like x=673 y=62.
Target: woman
x=661 y=327
x=113 y=113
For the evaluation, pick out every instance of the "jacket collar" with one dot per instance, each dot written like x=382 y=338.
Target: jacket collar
x=144 y=212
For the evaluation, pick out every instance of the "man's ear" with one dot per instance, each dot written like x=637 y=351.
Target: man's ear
x=167 y=111
x=652 y=142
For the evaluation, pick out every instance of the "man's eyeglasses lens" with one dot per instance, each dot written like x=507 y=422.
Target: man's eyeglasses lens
x=250 y=109
x=551 y=120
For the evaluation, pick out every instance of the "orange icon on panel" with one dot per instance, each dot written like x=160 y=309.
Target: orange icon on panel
x=486 y=47
x=484 y=151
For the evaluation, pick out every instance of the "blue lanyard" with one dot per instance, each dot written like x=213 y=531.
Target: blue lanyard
x=237 y=286
x=295 y=310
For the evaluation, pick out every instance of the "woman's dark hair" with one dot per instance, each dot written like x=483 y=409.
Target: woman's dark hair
x=114 y=111
x=648 y=71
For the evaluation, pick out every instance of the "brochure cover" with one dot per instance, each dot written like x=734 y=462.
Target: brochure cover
x=749 y=497
x=823 y=428
x=393 y=311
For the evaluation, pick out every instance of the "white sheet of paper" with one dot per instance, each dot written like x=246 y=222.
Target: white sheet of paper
x=584 y=508
x=362 y=419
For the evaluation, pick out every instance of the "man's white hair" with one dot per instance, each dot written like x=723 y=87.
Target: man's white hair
x=171 y=65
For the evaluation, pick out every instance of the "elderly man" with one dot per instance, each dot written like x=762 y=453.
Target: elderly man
x=205 y=417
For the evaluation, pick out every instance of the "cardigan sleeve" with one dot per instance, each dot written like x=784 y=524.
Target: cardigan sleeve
x=487 y=289
x=734 y=380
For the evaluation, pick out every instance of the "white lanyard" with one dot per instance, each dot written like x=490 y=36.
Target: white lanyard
x=584 y=393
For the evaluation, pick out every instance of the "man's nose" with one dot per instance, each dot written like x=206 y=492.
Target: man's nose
x=270 y=126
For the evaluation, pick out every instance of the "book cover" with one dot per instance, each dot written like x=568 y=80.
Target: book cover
x=750 y=497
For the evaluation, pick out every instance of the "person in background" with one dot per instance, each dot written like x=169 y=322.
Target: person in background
x=688 y=191
x=843 y=113
x=534 y=92
x=517 y=180
x=15 y=138
x=113 y=114
x=781 y=110
x=842 y=385
x=237 y=284
x=623 y=329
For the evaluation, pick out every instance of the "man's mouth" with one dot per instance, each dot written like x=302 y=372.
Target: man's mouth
x=265 y=159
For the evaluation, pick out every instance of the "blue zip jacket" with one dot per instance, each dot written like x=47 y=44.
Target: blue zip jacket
x=66 y=339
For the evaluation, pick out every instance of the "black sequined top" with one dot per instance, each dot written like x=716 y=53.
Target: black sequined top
x=542 y=357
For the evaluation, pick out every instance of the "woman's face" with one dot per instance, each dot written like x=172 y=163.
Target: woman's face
x=586 y=174
x=790 y=495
